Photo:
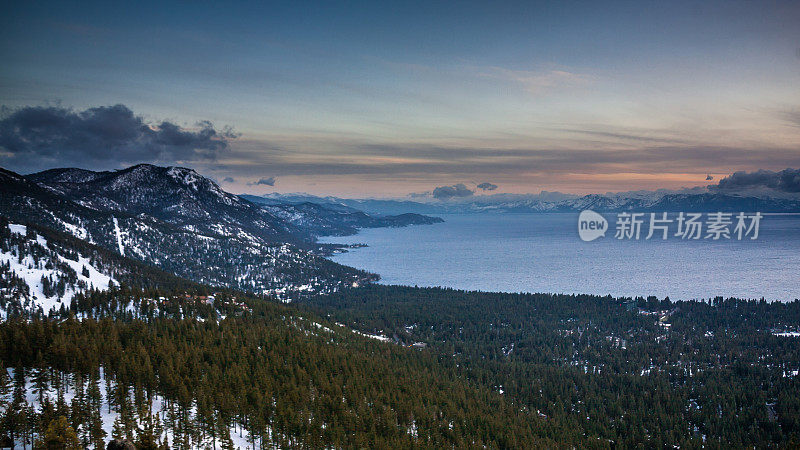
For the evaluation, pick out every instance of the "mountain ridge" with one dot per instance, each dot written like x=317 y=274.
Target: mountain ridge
x=650 y=201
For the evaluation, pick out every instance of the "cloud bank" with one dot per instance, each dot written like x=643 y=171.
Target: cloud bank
x=487 y=186
x=110 y=135
x=448 y=192
x=787 y=180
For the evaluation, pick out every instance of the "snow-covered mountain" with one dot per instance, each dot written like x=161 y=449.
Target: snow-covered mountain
x=174 y=219
x=174 y=195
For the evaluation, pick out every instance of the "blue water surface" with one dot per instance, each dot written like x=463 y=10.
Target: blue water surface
x=543 y=253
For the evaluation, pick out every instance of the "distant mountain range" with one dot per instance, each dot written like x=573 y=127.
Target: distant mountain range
x=698 y=200
x=176 y=220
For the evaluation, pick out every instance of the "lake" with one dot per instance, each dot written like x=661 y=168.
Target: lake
x=543 y=253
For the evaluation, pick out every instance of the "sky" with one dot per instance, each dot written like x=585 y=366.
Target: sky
x=374 y=99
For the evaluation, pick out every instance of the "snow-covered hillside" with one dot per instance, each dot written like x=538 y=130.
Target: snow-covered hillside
x=38 y=276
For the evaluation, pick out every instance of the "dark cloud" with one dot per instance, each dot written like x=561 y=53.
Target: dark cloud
x=266 y=181
x=447 y=192
x=709 y=177
x=787 y=180
x=229 y=180
x=103 y=135
x=487 y=186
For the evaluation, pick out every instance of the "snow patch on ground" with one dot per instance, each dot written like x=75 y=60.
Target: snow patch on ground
x=22 y=230
x=119 y=237
x=373 y=336
x=322 y=327
x=788 y=334
x=78 y=232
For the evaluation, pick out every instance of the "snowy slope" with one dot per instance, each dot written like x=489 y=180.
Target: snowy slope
x=27 y=264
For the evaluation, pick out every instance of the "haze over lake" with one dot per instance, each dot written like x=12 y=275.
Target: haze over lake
x=543 y=253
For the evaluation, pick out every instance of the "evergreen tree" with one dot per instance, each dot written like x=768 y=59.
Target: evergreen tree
x=15 y=423
x=59 y=436
x=4 y=385
x=118 y=429
x=41 y=376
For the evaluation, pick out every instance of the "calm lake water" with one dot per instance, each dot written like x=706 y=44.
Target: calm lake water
x=543 y=253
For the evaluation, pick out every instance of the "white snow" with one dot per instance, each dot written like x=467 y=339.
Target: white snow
x=322 y=327
x=18 y=229
x=96 y=279
x=119 y=237
x=78 y=232
x=788 y=334
x=373 y=336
